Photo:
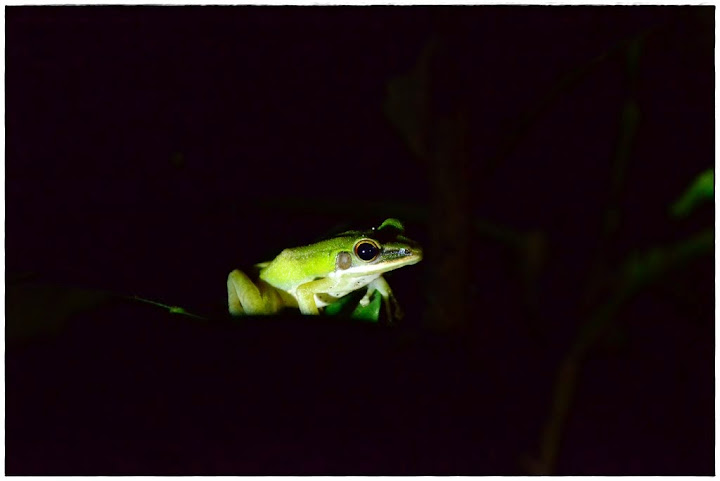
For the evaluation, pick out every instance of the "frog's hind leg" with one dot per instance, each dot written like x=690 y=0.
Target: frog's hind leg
x=245 y=297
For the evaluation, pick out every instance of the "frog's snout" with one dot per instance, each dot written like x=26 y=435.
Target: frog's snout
x=414 y=251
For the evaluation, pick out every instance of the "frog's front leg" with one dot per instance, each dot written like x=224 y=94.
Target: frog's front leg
x=392 y=307
x=245 y=297
x=305 y=295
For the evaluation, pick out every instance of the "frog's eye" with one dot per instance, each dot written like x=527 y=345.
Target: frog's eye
x=367 y=250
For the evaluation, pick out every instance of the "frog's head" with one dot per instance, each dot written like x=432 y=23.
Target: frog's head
x=376 y=251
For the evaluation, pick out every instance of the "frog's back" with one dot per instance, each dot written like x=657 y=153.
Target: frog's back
x=298 y=265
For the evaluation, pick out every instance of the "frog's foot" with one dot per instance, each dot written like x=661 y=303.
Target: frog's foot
x=366 y=298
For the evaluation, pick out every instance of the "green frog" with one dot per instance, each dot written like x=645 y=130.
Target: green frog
x=313 y=276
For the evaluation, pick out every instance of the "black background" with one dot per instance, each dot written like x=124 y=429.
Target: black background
x=150 y=150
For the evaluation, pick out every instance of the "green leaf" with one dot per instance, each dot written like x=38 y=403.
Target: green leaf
x=342 y=306
x=701 y=190
x=371 y=312
x=350 y=306
x=171 y=309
